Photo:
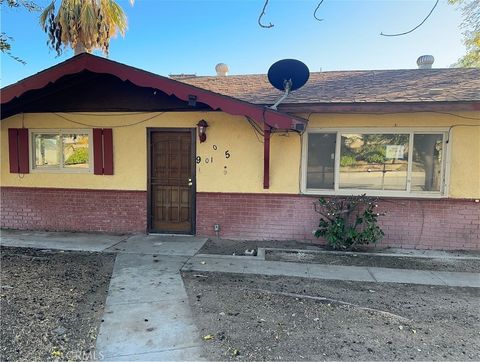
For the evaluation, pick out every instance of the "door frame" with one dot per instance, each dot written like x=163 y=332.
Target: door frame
x=193 y=213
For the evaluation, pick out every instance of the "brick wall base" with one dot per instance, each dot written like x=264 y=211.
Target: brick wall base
x=73 y=210
x=408 y=223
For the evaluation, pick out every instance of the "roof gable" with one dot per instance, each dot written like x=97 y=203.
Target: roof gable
x=95 y=92
x=141 y=78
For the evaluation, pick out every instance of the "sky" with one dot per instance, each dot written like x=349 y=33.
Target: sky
x=180 y=36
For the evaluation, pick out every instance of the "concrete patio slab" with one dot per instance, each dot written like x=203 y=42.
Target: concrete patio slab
x=159 y=244
x=59 y=240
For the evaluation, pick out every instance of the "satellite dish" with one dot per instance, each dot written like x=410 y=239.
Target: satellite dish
x=288 y=73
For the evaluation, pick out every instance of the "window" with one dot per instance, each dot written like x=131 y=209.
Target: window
x=390 y=162
x=61 y=150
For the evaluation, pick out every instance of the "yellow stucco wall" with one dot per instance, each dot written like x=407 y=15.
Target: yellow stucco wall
x=243 y=171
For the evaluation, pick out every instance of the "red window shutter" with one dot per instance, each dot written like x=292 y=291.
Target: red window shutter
x=97 y=151
x=107 y=151
x=23 y=152
x=102 y=151
x=13 y=149
x=18 y=152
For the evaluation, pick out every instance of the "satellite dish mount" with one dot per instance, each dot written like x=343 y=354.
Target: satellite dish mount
x=287 y=75
x=287 y=87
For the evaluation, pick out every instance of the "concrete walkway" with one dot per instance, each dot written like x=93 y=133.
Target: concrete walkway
x=147 y=316
x=257 y=265
x=59 y=240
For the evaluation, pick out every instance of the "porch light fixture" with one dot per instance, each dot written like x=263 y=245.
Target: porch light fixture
x=202 y=128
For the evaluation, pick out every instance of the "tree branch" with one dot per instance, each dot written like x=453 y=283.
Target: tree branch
x=415 y=28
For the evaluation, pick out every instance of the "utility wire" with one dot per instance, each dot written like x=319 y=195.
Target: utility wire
x=270 y=25
x=100 y=126
x=256 y=129
x=113 y=114
x=415 y=28
x=458 y=125
x=316 y=9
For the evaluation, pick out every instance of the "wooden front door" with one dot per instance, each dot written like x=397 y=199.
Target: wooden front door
x=172 y=181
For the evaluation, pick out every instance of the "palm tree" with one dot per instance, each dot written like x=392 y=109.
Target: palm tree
x=83 y=25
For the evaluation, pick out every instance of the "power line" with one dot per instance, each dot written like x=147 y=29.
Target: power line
x=100 y=126
x=415 y=28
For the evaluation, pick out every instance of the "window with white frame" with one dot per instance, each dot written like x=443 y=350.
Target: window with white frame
x=61 y=150
x=387 y=162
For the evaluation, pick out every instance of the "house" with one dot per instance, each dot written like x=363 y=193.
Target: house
x=94 y=145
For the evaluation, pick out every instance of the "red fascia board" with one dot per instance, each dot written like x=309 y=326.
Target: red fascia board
x=143 y=78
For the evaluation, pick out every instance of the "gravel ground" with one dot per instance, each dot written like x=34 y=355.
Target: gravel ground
x=250 y=319
x=396 y=262
x=52 y=303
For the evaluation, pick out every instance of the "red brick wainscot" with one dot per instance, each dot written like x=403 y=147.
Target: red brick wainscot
x=52 y=209
x=408 y=223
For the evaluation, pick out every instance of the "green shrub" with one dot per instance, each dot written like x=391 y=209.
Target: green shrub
x=374 y=153
x=347 y=160
x=375 y=158
x=347 y=222
x=78 y=157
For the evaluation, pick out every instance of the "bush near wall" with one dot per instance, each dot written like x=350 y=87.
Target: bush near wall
x=348 y=222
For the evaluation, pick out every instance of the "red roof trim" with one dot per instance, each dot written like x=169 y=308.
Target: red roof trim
x=143 y=78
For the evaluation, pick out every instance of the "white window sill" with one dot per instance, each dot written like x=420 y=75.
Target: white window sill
x=61 y=171
x=375 y=193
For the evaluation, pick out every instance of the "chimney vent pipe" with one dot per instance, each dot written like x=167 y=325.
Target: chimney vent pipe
x=221 y=69
x=425 y=61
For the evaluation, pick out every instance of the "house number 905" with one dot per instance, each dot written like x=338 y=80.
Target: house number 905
x=198 y=159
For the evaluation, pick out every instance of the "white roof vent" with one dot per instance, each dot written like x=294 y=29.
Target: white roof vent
x=425 y=61
x=221 y=69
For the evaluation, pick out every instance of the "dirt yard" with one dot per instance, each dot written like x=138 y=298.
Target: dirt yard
x=238 y=247
x=264 y=318
x=52 y=303
x=382 y=261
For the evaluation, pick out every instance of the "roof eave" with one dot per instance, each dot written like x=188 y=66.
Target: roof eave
x=380 y=107
x=143 y=78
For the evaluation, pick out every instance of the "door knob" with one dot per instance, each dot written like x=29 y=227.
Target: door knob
x=190 y=182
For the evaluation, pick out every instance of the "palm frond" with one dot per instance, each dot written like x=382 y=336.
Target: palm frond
x=89 y=23
x=50 y=9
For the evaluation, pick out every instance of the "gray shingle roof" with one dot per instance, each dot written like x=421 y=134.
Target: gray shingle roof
x=370 y=86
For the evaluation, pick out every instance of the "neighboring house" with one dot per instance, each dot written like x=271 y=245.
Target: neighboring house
x=94 y=145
